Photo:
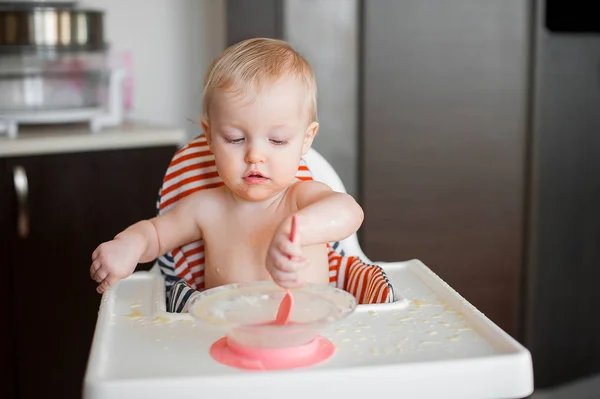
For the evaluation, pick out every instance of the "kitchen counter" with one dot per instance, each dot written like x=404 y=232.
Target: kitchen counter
x=78 y=138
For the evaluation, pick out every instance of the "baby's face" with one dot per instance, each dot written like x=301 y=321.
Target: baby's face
x=258 y=138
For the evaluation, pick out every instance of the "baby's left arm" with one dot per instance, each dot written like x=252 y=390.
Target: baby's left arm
x=324 y=215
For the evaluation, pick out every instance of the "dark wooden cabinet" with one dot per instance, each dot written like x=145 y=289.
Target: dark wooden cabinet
x=8 y=359
x=74 y=202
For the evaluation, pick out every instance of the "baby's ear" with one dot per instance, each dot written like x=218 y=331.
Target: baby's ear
x=206 y=127
x=309 y=136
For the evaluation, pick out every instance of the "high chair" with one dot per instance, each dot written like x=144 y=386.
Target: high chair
x=411 y=336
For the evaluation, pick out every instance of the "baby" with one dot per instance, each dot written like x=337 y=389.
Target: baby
x=259 y=118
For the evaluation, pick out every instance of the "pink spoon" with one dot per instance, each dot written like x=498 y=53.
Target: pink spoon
x=285 y=307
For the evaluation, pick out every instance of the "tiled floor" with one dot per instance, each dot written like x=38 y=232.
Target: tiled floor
x=588 y=388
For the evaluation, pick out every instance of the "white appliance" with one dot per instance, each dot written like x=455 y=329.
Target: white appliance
x=55 y=67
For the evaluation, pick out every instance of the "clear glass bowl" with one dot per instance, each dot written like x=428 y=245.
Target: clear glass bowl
x=246 y=311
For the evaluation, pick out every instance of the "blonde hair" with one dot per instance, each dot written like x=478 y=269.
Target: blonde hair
x=253 y=62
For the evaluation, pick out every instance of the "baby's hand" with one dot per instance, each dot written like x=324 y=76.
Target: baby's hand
x=112 y=261
x=285 y=259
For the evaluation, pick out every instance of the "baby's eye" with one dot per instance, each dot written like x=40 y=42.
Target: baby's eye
x=279 y=142
x=234 y=141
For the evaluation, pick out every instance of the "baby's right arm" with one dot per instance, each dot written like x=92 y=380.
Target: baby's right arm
x=145 y=241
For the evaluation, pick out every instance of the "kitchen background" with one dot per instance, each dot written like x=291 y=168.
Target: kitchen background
x=467 y=130
x=171 y=44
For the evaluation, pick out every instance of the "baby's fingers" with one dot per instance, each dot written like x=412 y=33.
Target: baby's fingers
x=100 y=248
x=94 y=268
x=282 y=263
x=285 y=279
x=106 y=284
x=291 y=250
x=100 y=274
x=296 y=283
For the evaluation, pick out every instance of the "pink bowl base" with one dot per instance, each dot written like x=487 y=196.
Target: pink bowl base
x=229 y=353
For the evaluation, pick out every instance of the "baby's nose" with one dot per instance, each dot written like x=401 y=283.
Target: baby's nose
x=254 y=155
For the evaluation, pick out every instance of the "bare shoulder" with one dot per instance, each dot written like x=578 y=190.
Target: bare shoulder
x=309 y=186
x=203 y=202
x=208 y=198
x=309 y=191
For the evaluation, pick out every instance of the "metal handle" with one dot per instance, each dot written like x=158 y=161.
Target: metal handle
x=22 y=191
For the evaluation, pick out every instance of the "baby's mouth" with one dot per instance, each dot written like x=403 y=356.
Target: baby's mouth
x=254 y=177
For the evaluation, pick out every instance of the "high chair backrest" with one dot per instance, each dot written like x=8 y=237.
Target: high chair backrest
x=323 y=171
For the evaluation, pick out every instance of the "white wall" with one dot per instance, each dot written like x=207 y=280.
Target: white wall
x=171 y=42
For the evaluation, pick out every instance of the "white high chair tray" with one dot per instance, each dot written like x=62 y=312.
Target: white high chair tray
x=430 y=344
